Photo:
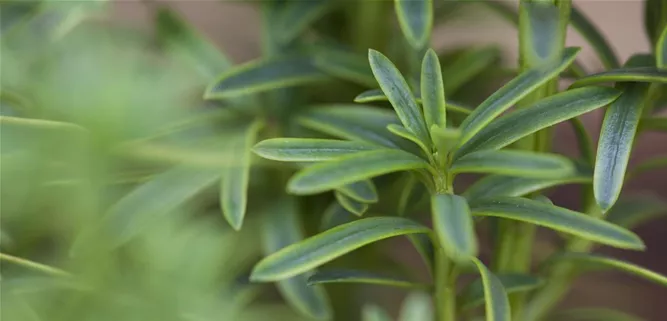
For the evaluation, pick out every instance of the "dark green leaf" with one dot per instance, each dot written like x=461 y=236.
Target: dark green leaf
x=655 y=123
x=514 y=163
x=403 y=132
x=433 y=91
x=424 y=246
x=361 y=191
x=296 y=16
x=411 y=193
x=636 y=74
x=468 y=65
x=593 y=314
x=632 y=212
x=559 y=219
x=495 y=298
x=654 y=21
x=309 y=149
x=345 y=65
x=377 y=95
x=353 y=206
x=417 y=306
x=263 y=75
x=544 y=113
x=399 y=94
x=345 y=170
x=473 y=294
x=335 y=215
x=512 y=92
x=499 y=185
x=616 y=138
x=584 y=26
x=324 y=247
x=372 y=312
x=236 y=177
x=586 y=261
x=542 y=32
x=357 y=276
x=416 y=20
x=281 y=228
x=650 y=164
x=454 y=227
x=661 y=50
x=584 y=141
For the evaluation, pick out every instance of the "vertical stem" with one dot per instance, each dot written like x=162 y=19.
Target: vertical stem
x=369 y=24
x=445 y=286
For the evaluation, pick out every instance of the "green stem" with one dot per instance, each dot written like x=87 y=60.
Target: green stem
x=369 y=25
x=445 y=286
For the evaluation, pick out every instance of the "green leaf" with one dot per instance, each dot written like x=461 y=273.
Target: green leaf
x=263 y=75
x=559 y=219
x=416 y=20
x=425 y=248
x=587 y=261
x=433 y=91
x=542 y=32
x=353 y=122
x=445 y=140
x=632 y=212
x=296 y=16
x=654 y=21
x=405 y=133
x=650 y=164
x=514 y=163
x=236 y=177
x=584 y=141
x=544 y=113
x=345 y=170
x=512 y=92
x=357 y=276
x=417 y=306
x=411 y=193
x=324 y=247
x=374 y=95
x=454 y=227
x=615 y=145
x=335 y=215
x=281 y=228
x=500 y=185
x=399 y=94
x=603 y=49
x=309 y=149
x=346 y=65
x=655 y=123
x=495 y=297
x=593 y=314
x=468 y=65
x=353 y=206
x=362 y=191
x=634 y=74
x=661 y=50
x=185 y=41
x=473 y=294
x=372 y=312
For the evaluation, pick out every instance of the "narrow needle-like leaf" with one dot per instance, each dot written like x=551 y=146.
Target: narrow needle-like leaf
x=416 y=20
x=514 y=163
x=309 y=149
x=433 y=91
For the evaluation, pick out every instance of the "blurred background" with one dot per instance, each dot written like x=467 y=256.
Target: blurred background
x=103 y=83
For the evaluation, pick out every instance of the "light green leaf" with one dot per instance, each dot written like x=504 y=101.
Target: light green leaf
x=185 y=41
x=473 y=294
x=400 y=96
x=454 y=227
x=544 y=113
x=296 y=16
x=468 y=65
x=661 y=50
x=309 y=149
x=634 y=74
x=357 y=276
x=372 y=312
x=362 y=191
x=324 y=247
x=632 y=212
x=345 y=170
x=236 y=177
x=417 y=306
x=603 y=49
x=559 y=219
x=593 y=314
x=445 y=140
x=495 y=297
x=615 y=145
x=500 y=185
x=263 y=75
x=514 y=163
x=656 y=123
x=416 y=20
x=405 y=133
x=335 y=215
x=353 y=122
x=346 y=65
x=587 y=261
x=281 y=228
x=512 y=92
x=374 y=95
x=433 y=91
x=353 y=206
